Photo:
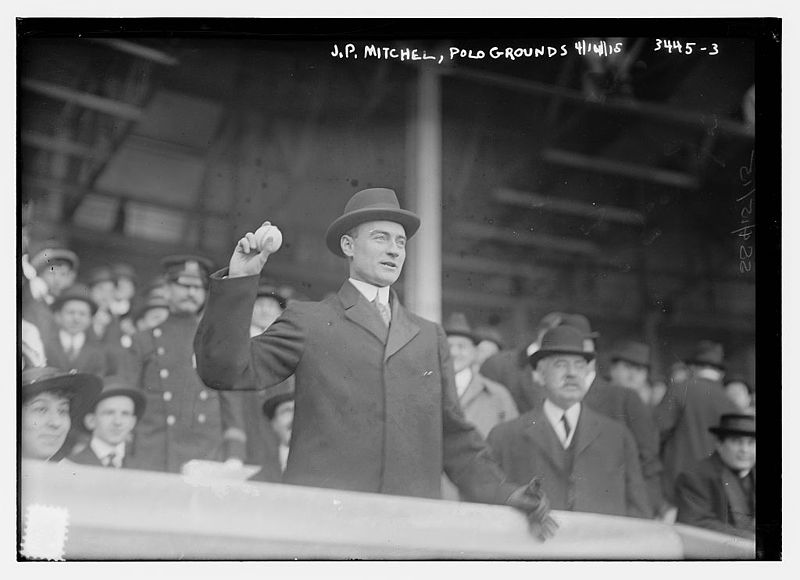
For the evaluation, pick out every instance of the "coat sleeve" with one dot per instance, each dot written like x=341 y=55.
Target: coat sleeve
x=227 y=358
x=645 y=433
x=638 y=504
x=467 y=458
x=233 y=427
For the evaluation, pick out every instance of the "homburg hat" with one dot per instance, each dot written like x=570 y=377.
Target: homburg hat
x=735 y=424
x=375 y=204
x=632 y=352
x=561 y=340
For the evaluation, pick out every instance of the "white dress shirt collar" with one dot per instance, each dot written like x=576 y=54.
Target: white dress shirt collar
x=70 y=341
x=369 y=291
x=103 y=449
x=554 y=414
x=463 y=379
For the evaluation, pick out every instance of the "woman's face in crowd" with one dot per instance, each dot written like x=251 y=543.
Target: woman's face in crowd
x=45 y=424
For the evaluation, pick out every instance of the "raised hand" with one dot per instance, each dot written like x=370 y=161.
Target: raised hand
x=253 y=249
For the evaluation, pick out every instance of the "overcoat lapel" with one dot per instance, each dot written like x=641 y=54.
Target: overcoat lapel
x=401 y=330
x=738 y=506
x=361 y=312
x=587 y=430
x=474 y=389
x=541 y=434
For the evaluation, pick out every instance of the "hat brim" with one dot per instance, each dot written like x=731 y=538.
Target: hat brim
x=473 y=337
x=706 y=363
x=617 y=357
x=540 y=354
x=138 y=398
x=40 y=260
x=726 y=432
x=271 y=404
x=84 y=389
x=343 y=224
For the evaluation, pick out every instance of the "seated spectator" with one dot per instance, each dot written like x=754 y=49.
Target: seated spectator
x=485 y=403
x=738 y=389
x=719 y=492
x=51 y=400
x=587 y=461
x=489 y=343
x=75 y=346
x=111 y=420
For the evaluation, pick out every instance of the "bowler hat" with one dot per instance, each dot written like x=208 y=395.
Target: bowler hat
x=185 y=268
x=457 y=325
x=82 y=387
x=100 y=274
x=735 y=424
x=152 y=302
x=75 y=292
x=631 y=351
x=561 y=340
x=51 y=254
x=375 y=204
x=707 y=353
x=281 y=394
x=490 y=334
x=580 y=323
x=116 y=386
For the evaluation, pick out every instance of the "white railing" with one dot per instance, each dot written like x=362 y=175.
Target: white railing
x=99 y=514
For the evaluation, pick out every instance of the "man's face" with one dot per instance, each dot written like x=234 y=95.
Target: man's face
x=377 y=251
x=485 y=349
x=628 y=375
x=152 y=318
x=564 y=378
x=58 y=276
x=462 y=350
x=738 y=452
x=265 y=311
x=282 y=421
x=103 y=293
x=45 y=424
x=124 y=289
x=187 y=298
x=74 y=317
x=738 y=393
x=113 y=419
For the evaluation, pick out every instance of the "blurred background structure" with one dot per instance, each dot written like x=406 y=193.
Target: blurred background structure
x=606 y=186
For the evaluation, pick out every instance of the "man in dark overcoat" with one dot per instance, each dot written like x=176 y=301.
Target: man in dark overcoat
x=719 y=493
x=688 y=410
x=185 y=419
x=376 y=408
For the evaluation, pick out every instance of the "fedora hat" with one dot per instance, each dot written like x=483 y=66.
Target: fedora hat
x=116 y=386
x=100 y=274
x=75 y=292
x=580 y=323
x=561 y=340
x=491 y=334
x=123 y=270
x=631 y=351
x=367 y=205
x=82 y=387
x=735 y=424
x=280 y=395
x=707 y=353
x=457 y=325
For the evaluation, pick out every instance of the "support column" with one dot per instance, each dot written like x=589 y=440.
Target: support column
x=423 y=271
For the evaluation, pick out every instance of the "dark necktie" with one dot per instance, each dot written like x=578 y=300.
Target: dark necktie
x=567 y=428
x=383 y=310
x=110 y=459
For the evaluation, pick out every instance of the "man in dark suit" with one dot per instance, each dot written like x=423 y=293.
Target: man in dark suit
x=185 y=419
x=376 y=408
x=75 y=346
x=688 y=410
x=587 y=461
x=111 y=420
x=719 y=492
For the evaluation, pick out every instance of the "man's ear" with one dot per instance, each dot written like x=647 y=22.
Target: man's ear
x=346 y=243
x=90 y=421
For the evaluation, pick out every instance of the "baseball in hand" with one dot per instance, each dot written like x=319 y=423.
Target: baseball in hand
x=269 y=238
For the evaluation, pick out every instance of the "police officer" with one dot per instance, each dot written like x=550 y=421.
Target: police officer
x=185 y=419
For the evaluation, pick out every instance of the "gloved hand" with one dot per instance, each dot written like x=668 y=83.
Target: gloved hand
x=532 y=500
